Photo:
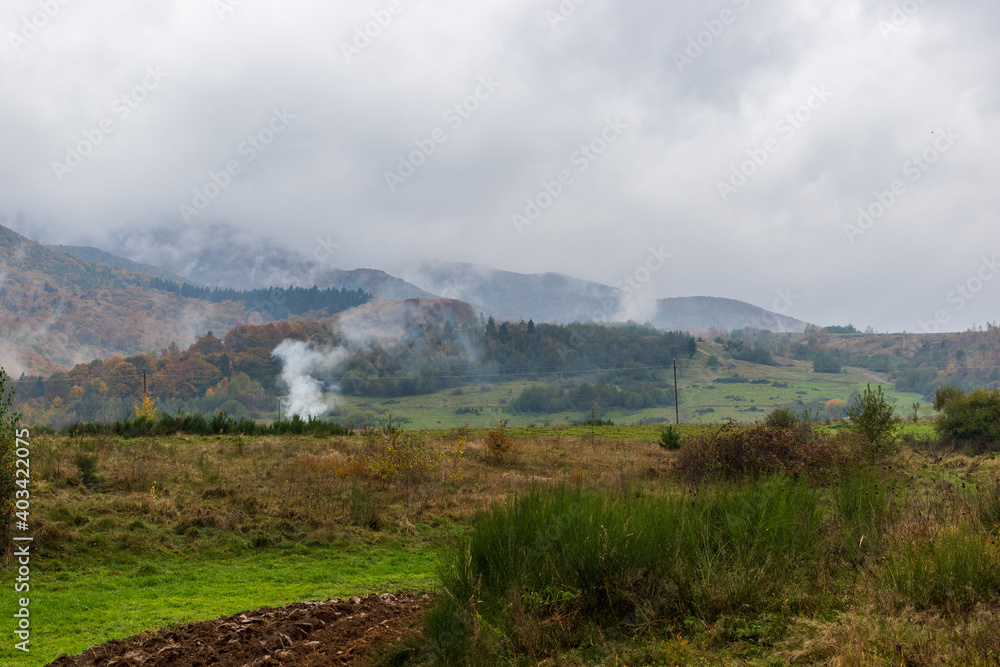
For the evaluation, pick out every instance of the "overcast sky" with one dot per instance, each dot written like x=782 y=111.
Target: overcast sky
x=115 y=112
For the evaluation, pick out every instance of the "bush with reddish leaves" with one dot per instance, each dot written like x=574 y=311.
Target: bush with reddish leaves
x=735 y=452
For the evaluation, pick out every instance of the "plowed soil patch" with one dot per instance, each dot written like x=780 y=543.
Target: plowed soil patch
x=336 y=632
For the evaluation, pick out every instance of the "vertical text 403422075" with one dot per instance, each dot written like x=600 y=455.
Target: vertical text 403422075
x=22 y=542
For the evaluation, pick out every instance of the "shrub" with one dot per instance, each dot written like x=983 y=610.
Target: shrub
x=498 y=444
x=826 y=363
x=872 y=416
x=781 y=418
x=734 y=452
x=402 y=457
x=970 y=420
x=86 y=465
x=670 y=438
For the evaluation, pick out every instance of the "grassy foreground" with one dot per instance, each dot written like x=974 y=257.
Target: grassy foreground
x=139 y=534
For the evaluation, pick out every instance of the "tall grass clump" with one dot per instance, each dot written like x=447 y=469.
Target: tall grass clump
x=986 y=505
x=365 y=507
x=869 y=503
x=956 y=570
x=547 y=567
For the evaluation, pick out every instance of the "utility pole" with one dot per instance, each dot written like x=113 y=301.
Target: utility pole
x=144 y=391
x=677 y=401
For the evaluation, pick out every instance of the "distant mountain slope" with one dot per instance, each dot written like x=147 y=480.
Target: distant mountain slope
x=57 y=310
x=377 y=283
x=222 y=255
x=553 y=296
x=99 y=256
x=510 y=296
x=699 y=313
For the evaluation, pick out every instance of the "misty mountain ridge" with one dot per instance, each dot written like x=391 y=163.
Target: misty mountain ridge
x=57 y=310
x=557 y=297
x=247 y=261
x=242 y=261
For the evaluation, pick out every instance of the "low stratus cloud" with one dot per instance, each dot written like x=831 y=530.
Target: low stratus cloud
x=758 y=139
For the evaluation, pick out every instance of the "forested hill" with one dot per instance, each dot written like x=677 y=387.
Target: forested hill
x=238 y=374
x=56 y=309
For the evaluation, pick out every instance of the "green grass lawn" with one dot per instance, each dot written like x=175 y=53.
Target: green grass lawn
x=77 y=605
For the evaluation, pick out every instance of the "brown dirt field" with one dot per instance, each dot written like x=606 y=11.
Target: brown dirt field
x=303 y=634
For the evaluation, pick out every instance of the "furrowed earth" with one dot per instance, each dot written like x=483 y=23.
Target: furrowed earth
x=304 y=634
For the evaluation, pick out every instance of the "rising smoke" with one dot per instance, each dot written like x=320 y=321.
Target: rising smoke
x=301 y=362
x=308 y=369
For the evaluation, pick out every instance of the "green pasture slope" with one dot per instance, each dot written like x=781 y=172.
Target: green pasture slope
x=702 y=399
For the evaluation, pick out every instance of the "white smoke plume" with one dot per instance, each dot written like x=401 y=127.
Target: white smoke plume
x=385 y=324
x=301 y=361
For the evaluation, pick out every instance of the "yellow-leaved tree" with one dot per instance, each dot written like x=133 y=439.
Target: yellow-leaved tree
x=147 y=410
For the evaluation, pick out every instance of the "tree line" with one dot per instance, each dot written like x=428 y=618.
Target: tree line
x=619 y=366
x=276 y=302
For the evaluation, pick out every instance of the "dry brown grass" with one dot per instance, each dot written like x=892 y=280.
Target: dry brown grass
x=186 y=487
x=867 y=636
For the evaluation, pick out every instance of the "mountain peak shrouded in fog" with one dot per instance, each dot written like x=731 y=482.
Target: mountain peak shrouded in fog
x=246 y=260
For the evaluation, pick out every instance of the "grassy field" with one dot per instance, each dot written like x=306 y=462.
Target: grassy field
x=140 y=534
x=793 y=384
